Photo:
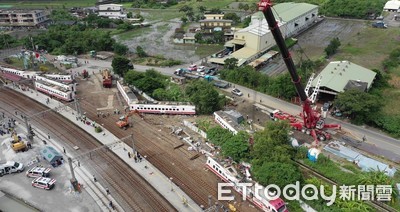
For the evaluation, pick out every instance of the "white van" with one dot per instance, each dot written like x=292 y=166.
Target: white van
x=10 y=167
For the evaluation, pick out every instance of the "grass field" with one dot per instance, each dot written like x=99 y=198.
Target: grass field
x=47 y=4
x=206 y=50
x=368 y=49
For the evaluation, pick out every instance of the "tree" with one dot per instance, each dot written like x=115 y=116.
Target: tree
x=246 y=7
x=120 y=65
x=246 y=21
x=282 y=87
x=140 y=52
x=216 y=11
x=218 y=135
x=131 y=76
x=332 y=47
x=185 y=9
x=129 y=15
x=232 y=16
x=218 y=36
x=202 y=9
x=184 y=19
x=120 y=49
x=272 y=144
x=237 y=147
x=230 y=63
x=280 y=174
x=358 y=105
x=199 y=37
x=205 y=97
x=240 y=6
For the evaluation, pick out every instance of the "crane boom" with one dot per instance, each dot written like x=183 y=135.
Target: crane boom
x=312 y=121
x=265 y=7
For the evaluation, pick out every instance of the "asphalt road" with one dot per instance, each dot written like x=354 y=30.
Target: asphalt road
x=374 y=137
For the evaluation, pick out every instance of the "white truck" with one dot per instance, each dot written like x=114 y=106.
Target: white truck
x=10 y=167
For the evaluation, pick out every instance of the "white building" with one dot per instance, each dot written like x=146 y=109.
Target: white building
x=112 y=11
x=393 y=5
x=23 y=17
x=251 y=42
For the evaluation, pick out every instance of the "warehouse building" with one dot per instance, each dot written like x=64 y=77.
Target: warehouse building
x=255 y=40
x=339 y=76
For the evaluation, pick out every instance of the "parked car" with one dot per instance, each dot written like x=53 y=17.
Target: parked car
x=38 y=172
x=44 y=183
x=326 y=106
x=379 y=24
x=11 y=167
x=201 y=68
x=237 y=92
x=193 y=67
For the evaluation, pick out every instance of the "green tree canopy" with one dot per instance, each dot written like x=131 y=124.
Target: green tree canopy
x=272 y=144
x=280 y=174
x=140 y=51
x=232 y=16
x=205 y=97
x=120 y=65
x=120 y=49
x=358 y=105
x=230 y=63
x=332 y=47
x=237 y=147
x=218 y=135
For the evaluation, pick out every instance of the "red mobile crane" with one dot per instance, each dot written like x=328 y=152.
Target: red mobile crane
x=312 y=123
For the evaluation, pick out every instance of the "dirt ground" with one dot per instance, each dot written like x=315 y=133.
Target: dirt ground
x=316 y=39
x=159 y=41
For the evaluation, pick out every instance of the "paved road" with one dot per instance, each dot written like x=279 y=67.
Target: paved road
x=374 y=137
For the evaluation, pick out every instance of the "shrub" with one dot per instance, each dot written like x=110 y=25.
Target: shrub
x=98 y=129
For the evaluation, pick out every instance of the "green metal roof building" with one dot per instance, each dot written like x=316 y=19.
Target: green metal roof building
x=339 y=76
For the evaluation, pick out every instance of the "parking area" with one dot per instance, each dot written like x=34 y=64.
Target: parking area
x=60 y=198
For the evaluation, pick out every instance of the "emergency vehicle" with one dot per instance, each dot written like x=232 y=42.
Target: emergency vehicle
x=44 y=183
x=38 y=172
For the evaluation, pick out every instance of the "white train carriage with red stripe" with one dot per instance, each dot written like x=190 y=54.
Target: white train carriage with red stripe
x=66 y=78
x=229 y=175
x=55 y=91
x=15 y=74
x=165 y=108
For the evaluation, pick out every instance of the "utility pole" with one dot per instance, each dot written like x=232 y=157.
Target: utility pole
x=133 y=144
x=77 y=107
x=29 y=129
x=73 y=180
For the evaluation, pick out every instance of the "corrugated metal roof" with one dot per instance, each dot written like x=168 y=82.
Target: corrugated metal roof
x=290 y=10
x=244 y=53
x=336 y=75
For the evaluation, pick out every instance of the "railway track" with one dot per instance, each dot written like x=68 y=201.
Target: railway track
x=134 y=193
x=160 y=152
x=376 y=204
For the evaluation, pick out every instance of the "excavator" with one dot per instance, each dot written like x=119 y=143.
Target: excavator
x=17 y=144
x=123 y=121
x=312 y=122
